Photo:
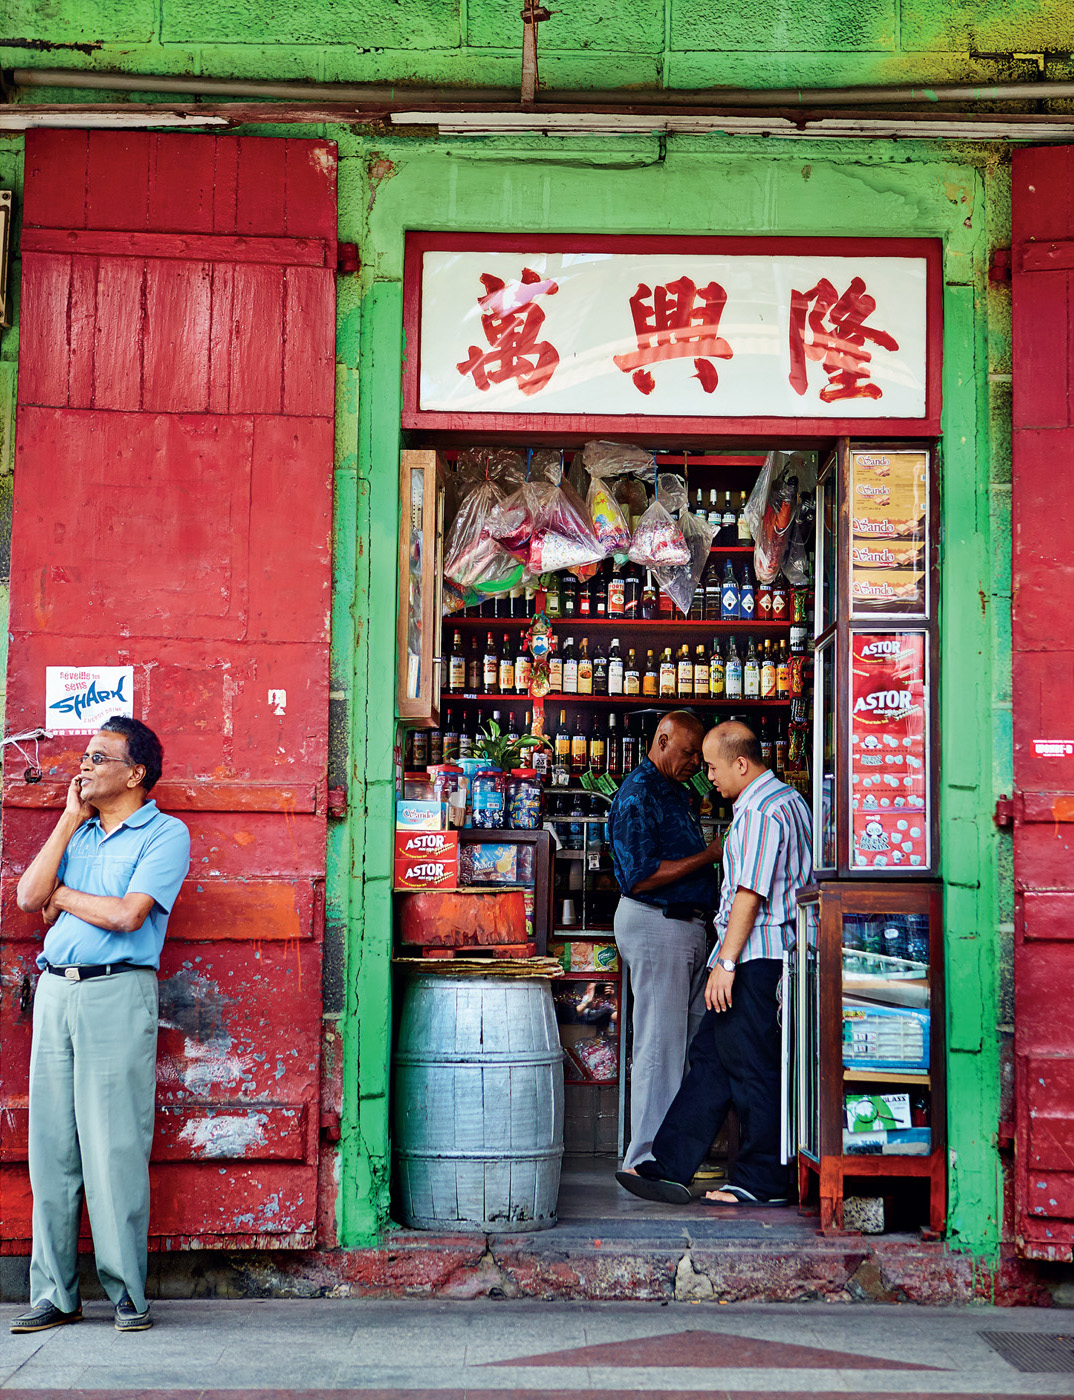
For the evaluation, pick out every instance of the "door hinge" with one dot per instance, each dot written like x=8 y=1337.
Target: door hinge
x=1003 y=816
x=347 y=259
x=999 y=267
x=337 y=802
x=330 y=1126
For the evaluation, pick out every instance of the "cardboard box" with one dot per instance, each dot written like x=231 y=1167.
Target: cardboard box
x=579 y=955
x=420 y=816
x=426 y=860
x=869 y=1113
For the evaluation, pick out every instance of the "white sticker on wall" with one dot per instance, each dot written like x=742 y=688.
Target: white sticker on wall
x=78 y=699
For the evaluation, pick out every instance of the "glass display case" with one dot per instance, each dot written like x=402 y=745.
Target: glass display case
x=422 y=481
x=870 y=1036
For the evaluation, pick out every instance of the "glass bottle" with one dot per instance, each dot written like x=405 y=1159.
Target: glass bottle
x=728 y=522
x=613 y=749
x=579 y=746
x=632 y=593
x=751 y=674
x=570 y=668
x=585 y=669
x=729 y=594
x=600 y=669
x=763 y=602
x=507 y=666
x=766 y=745
x=665 y=604
x=684 y=679
x=631 y=675
x=436 y=747
x=697 y=602
x=490 y=668
x=733 y=672
x=783 y=673
x=712 y=592
x=715 y=510
x=717 y=680
x=555 y=667
x=780 y=601
x=517 y=597
x=667 y=675
x=746 y=598
x=742 y=524
x=585 y=599
x=616 y=593
x=701 y=672
x=457 y=666
x=616 y=678
x=631 y=748
x=596 y=750
x=523 y=667
x=473 y=669
x=650 y=683
x=768 y=674
x=648 y=597
x=420 y=758
x=561 y=771
x=451 y=738
x=551 y=597
x=600 y=595
x=576 y=825
x=568 y=595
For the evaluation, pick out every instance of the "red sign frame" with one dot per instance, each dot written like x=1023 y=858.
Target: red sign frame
x=653 y=427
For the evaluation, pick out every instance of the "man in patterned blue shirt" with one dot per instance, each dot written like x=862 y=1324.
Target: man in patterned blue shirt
x=664 y=870
x=735 y=1058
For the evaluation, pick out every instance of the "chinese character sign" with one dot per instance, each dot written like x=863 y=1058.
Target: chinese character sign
x=673 y=334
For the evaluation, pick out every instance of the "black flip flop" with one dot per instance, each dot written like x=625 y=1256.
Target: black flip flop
x=669 y=1193
x=743 y=1198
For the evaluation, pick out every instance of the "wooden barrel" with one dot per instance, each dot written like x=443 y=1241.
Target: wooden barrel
x=477 y=1114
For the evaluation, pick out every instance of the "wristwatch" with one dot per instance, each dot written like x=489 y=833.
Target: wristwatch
x=726 y=964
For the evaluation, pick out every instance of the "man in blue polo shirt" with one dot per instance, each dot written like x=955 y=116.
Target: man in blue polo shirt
x=664 y=870
x=105 y=882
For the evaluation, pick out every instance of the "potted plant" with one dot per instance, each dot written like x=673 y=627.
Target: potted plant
x=504 y=751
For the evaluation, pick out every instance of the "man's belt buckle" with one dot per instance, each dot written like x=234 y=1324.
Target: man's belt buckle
x=72 y=974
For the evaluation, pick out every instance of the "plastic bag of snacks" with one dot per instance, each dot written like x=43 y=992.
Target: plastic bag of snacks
x=609 y=523
x=658 y=541
x=680 y=581
x=475 y=563
x=770 y=511
x=546 y=527
x=617 y=459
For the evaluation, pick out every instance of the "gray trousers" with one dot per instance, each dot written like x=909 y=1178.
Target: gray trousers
x=92 y=1095
x=666 y=958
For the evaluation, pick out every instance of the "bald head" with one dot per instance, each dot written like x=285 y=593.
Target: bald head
x=676 y=746
x=733 y=758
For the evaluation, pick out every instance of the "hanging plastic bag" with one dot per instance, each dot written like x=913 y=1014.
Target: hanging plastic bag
x=770 y=511
x=681 y=581
x=474 y=561
x=658 y=541
x=796 y=560
x=633 y=498
x=617 y=459
x=609 y=523
x=546 y=527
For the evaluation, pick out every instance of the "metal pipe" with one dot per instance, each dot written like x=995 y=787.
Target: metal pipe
x=412 y=98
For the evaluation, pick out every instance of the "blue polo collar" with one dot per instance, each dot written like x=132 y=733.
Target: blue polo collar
x=145 y=813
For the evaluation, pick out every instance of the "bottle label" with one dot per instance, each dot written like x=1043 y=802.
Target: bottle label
x=764 y=605
x=555 y=673
x=783 y=680
x=489 y=675
x=734 y=680
x=616 y=597
x=523 y=674
x=457 y=673
x=585 y=678
x=716 y=681
x=570 y=677
x=507 y=675
x=649 y=684
x=667 y=678
x=746 y=603
x=596 y=752
x=631 y=683
x=768 y=682
x=701 y=678
x=779 y=607
x=615 y=677
x=686 y=678
x=751 y=681
x=729 y=601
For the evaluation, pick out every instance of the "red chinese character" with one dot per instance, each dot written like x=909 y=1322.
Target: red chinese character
x=838 y=335
x=670 y=324
x=512 y=321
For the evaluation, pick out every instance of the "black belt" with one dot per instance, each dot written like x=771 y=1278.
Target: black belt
x=686 y=911
x=79 y=972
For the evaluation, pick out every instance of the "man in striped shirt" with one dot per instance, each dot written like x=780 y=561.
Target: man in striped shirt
x=735 y=1058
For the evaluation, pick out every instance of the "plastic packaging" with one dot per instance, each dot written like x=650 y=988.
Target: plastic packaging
x=609 y=523
x=546 y=527
x=489 y=799
x=680 y=581
x=606 y=459
x=524 y=794
x=658 y=541
x=770 y=511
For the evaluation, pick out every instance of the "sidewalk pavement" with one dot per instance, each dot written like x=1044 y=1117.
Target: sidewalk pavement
x=493 y=1350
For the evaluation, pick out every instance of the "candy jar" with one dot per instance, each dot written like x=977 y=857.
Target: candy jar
x=524 y=794
x=489 y=799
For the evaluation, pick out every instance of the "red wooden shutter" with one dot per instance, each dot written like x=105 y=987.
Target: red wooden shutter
x=173 y=492
x=1043 y=672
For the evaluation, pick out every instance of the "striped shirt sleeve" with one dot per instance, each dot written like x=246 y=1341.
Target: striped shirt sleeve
x=761 y=836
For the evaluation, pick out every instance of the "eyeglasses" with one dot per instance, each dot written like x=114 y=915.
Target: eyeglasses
x=98 y=758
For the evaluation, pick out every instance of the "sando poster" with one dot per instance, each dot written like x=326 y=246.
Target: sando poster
x=889 y=563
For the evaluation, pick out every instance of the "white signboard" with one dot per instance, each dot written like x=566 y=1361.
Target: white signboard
x=78 y=699
x=673 y=333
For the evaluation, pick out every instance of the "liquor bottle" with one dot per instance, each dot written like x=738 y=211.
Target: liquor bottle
x=733 y=672
x=600 y=669
x=570 y=668
x=551 y=597
x=715 y=511
x=631 y=674
x=699 y=505
x=599 y=586
x=436 y=747
x=473 y=669
x=766 y=746
x=579 y=746
x=763 y=602
x=568 y=595
x=768 y=674
x=451 y=738
x=779 y=752
x=512 y=725
x=696 y=611
x=613 y=757
x=780 y=603
x=585 y=669
x=701 y=672
x=616 y=593
x=632 y=593
x=561 y=772
x=729 y=594
x=717 y=680
x=420 y=756
x=490 y=668
x=585 y=599
x=729 y=522
x=467 y=732
x=746 y=598
x=751 y=674
x=596 y=750
x=650 y=683
x=648 y=597
x=783 y=673
x=457 y=666
x=631 y=748
x=507 y=667
x=616 y=676
x=667 y=675
x=711 y=578
x=665 y=604
x=530 y=600
x=517 y=601
x=523 y=667
x=684 y=680
x=742 y=524
x=555 y=666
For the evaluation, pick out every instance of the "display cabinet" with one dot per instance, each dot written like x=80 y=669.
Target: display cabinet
x=875 y=757
x=422 y=485
x=507 y=859
x=869 y=1011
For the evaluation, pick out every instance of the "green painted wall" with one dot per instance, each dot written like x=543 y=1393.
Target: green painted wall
x=586 y=43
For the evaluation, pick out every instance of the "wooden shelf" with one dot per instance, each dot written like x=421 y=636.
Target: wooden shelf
x=883 y=1076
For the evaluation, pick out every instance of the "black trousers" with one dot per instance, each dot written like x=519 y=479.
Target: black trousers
x=734 y=1059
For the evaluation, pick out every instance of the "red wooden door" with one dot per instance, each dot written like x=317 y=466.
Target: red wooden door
x=1043 y=674
x=172 y=513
